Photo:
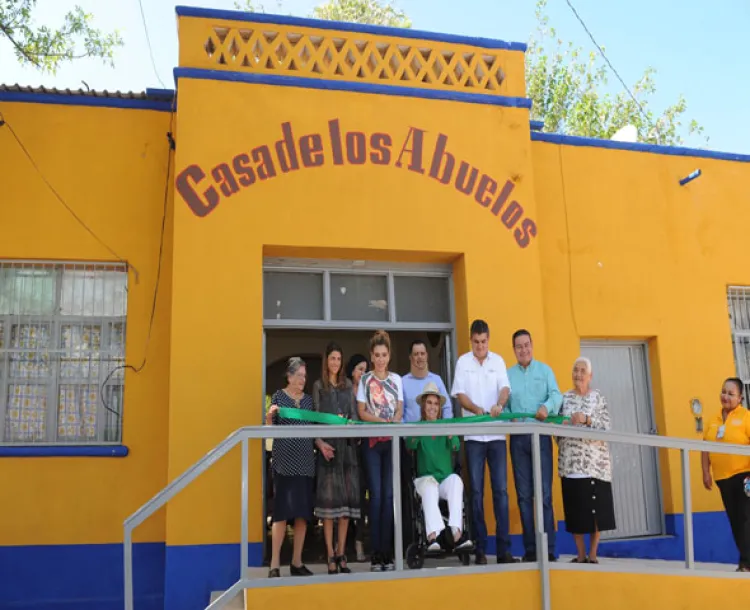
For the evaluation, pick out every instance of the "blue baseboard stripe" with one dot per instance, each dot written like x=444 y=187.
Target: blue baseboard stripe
x=65 y=451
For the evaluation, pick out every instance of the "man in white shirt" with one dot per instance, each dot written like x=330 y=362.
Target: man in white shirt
x=481 y=386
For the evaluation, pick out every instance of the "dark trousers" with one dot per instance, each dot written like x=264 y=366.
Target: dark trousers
x=523 y=474
x=494 y=455
x=407 y=491
x=359 y=524
x=737 y=507
x=380 y=477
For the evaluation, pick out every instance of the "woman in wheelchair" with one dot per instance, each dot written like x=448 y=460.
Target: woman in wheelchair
x=436 y=479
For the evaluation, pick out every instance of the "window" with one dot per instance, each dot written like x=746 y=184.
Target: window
x=62 y=333
x=739 y=315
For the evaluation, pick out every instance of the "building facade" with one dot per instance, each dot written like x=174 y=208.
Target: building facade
x=326 y=180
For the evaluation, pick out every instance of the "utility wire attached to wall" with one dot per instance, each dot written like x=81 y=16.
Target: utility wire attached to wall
x=614 y=71
x=148 y=43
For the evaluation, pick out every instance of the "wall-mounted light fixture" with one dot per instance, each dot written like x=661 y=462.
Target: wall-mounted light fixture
x=696 y=408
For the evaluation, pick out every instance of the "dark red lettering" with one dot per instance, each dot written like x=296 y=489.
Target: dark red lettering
x=512 y=214
x=186 y=182
x=461 y=184
x=241 y=167
x=437 y=160
x=525 y=232
x=415 y=162
x=381 y=148
x=225 y=179
x=502 y=197
x=356 y=149
x=262 y=156
x=485 y=190
x=311 y=149
x=335 y=132
x=285 y=149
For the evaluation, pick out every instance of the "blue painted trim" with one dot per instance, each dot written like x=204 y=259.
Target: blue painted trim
x=116 y=451
x=314 y=83
x=342 y=26
x=679 y=151
x=194 y=571
x=536 y=125
x=160 y=94
x=84 y=100
x=80 y=576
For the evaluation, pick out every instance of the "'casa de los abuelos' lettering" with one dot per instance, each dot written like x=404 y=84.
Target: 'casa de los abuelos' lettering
x=289 y=154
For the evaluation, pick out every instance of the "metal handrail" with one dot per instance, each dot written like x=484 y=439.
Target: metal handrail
x=397 y=431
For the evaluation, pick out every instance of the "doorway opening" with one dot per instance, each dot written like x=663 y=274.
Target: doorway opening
x=280 y=345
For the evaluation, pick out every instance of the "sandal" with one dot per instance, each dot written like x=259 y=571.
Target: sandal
x=576 y=560
x=589 y=560
x=333 y=561
x=274 y=573
x=342 y=565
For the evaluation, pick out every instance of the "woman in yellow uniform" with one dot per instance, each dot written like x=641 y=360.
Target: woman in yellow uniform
x=732 y=472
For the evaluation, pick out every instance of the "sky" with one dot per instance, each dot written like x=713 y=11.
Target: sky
x=697 y=51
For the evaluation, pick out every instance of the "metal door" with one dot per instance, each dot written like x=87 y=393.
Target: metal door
x=620 y=372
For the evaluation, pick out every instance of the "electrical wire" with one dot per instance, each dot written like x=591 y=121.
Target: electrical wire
x=611 y=67
x=157 y=282
x=567 y=240
x=148 y=43
x=53 y=190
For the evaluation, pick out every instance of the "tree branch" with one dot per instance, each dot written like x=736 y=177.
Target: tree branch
x=18 y=46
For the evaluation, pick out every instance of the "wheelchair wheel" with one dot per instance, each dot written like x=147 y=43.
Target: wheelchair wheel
x=414 y=557
x=465 y=558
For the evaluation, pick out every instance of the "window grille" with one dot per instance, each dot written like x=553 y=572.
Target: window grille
x=62 y=332
x=738 y=300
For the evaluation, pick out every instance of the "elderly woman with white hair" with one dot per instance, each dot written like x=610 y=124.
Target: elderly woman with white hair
x=585 y=466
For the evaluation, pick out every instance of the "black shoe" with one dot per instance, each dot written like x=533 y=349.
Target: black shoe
x=527 y=558
x=342 y=564
x=274 y=573
x=333 y=561
x=481 y=559
x=552 y=557
x=507 y=558
x=299 y=571
x=376 y=563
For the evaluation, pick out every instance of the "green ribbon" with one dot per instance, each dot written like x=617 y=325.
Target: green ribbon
x=334 y=420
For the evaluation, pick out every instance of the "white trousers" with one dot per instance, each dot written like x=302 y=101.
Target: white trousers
x=451 y=490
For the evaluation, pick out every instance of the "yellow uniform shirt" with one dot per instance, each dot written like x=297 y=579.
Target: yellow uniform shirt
x=736 y=432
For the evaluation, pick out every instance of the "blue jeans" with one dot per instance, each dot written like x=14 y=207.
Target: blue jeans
x=379 y=465
x=523 y=474
x=494 y=454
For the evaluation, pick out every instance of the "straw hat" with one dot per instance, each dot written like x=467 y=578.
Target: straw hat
x=430 y=389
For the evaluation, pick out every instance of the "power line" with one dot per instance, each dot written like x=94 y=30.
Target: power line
x=59 y=197
x=611 y=67
x=148 y=42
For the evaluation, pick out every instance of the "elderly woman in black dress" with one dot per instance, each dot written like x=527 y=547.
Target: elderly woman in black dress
x=293 y=471
x=337 y=496
x=585 y=466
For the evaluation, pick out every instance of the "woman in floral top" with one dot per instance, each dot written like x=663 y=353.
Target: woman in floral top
x=380 y=399
x=585 y=466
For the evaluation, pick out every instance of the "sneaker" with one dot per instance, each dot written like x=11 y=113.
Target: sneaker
x=376 y=563
x=463 y=544
x=388 y=564
x=507 y=558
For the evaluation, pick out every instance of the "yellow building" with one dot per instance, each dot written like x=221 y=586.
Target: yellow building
x=327 y=180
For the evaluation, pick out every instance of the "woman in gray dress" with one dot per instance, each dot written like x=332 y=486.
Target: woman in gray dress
x=337 y=495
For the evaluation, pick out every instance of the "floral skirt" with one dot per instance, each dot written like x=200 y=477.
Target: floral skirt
x=338 y=487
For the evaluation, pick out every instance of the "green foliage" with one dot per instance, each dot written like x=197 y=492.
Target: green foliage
x=567 y=88
x=374 y=12
x=47 y=48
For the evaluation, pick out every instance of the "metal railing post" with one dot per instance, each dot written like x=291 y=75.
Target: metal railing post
x=541 y=537
x=687 y=510
x=244 y=485
x=398 y=539
x=128 y=563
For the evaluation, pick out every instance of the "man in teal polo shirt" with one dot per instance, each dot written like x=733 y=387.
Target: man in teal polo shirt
x=535 y=395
